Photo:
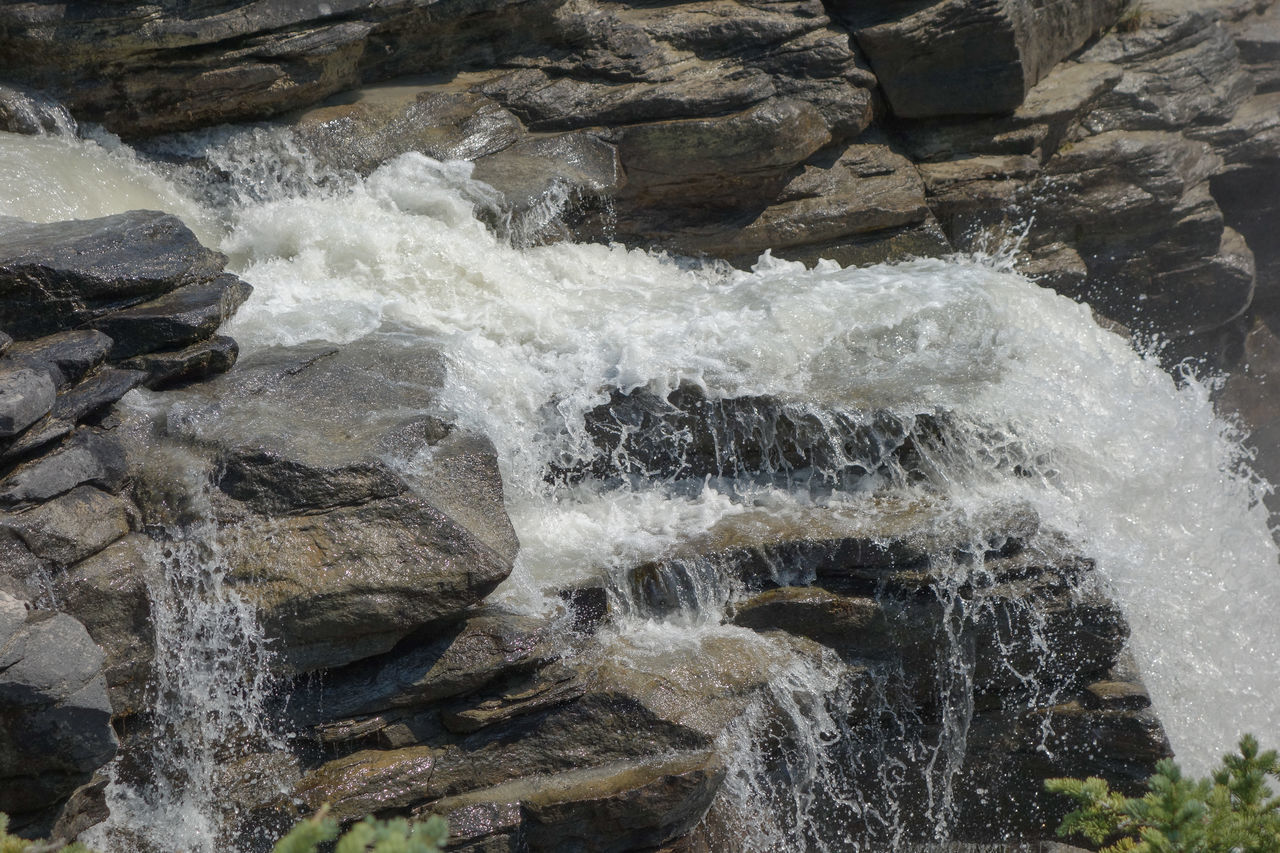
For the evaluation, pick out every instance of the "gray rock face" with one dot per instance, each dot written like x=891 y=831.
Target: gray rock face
x=181 y=317
x=67 y=357
x=925 y=58
x=199 y=361
x=66 y=275
x=343 y=541
x=57 y=728
x=25 y=397
x=72 y=526
x=87 y=457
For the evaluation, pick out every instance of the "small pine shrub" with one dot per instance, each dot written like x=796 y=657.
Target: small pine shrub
x=367 y=836
x=1232 y=812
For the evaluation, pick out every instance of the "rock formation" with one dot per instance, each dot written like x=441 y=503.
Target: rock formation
x=1129 y=143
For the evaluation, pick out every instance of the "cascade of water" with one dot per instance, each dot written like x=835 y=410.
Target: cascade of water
x=211 y=682
x=1031 y=402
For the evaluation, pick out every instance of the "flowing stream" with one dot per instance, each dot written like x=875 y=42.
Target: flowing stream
x=1045 y=408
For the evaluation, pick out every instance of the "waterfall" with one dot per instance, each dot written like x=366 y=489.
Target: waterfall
x=1042 y=409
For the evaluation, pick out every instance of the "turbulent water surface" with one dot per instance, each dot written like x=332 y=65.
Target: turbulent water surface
x=1048 y=409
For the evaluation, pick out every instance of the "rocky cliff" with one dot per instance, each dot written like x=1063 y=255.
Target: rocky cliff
x=1138 y=148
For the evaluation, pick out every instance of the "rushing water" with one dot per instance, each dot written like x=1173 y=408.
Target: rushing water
x=1045 y=408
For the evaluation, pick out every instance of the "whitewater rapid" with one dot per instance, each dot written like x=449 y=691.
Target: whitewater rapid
x=1049 y=409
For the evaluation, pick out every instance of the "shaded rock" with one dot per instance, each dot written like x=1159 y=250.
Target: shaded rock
x=1036 y=128
x=199 y=361
x=108 y=593
x=484 y=649
x=5 y=343
x=554 y=686
x=86 y=807
x=925 y=58
x=73 y=526
x=68 y=357
x=853 y=626
x=866 y=190
x=718 y=163
x=54 y=702
x=565 y=103
x=25 y=397
x=67 y=274
x=971 y=195
x=179 y=318
x=1181 y=68
x=95 y=394
x=611 y=808
x=88 y=457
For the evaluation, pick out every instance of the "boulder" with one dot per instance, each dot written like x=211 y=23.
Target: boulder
x=72 y=526
x=371 y=125
x=108 y=593
x=68 y=357
x=64 y=275
x=422 y=671
x=177 y=319
x=924 y=57
x=349 y=535
x=611 y=808
x=87 y=457
x=1257 y=38
x=696 y=165
x=25 y=397
x=1046 y=116
x=861 y=193
x=57 y=728
x=201 y=360
x=686 y=434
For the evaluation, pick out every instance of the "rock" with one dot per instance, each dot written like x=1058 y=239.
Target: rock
x=717 y=163
x=867 y=190
x=304 y=428
x=23 y=575
x=199 y=361
x=73 y=526
x=971 y=195
x=67 y=357
x=88 y=457
x=372 y=125
x=5 y=343
x=86 y=807
x=486 y=648
x=25 y=397
x=1257 y=39
x=348 y=537
x=618 y=807
x=1036 y=128
x=347 y=583
x=686 y=435
x=539 y=177
x=57 y=719
x=27 y=111
x=108 y=593
x=924 y=58
x=1137 y=208
x=1181 y=69
x=96 y=393
x=68 y=274
x=181 y=317
x=564 y=103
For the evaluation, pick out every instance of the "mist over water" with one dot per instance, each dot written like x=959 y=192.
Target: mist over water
x=1044 y=408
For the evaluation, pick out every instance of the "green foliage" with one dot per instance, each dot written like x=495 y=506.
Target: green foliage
x=368 y=836
x=1233 y=812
